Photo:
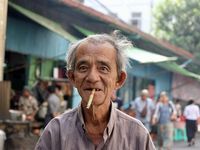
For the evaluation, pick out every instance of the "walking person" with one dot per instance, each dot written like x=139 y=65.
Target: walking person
x=53 y=104
x=191 y=113
x=144 y=107
x=165 y=113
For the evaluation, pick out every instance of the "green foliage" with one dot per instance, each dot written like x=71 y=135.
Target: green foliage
x=178 y=21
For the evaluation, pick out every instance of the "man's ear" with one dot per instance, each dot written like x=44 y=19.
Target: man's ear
x=121 y=79
x=70 y=75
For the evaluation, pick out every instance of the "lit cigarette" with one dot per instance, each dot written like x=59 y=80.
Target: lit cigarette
x=90 y=99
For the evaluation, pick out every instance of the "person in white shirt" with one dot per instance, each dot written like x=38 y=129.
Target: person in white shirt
x=191 y=113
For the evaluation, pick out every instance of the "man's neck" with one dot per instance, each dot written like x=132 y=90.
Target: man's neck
x=96 y=115
x=96 y=120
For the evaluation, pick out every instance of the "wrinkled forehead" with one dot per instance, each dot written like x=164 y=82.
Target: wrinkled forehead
x=101 y=53
x=96 y=47
x=96 y=41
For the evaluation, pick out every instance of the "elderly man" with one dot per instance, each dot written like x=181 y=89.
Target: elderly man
x=144 y=107
x=96 y=67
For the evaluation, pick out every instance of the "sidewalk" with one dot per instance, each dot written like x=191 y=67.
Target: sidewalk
x=182 y=145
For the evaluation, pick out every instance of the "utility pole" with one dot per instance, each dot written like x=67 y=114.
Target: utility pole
x=3 y=20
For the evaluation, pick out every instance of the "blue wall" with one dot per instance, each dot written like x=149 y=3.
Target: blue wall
x=30 y=38
x=161 y=77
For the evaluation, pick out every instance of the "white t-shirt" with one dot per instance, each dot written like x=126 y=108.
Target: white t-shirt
x=191 y=112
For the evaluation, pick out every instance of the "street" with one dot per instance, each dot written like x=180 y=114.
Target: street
x=182 y=145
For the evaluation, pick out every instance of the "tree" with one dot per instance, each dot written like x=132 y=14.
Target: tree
x=178 y=21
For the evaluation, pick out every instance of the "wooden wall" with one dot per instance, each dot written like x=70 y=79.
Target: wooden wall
x=5 y=90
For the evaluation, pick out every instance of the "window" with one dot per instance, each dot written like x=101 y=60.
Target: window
x=136 y=19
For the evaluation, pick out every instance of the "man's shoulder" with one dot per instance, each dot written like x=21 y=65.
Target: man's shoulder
x=69 y=114
x=128 y=123
x=53 y=97
x=66 y=118
x=137 y=99
x=124 y=118
x=33 y=99
x=193 y=107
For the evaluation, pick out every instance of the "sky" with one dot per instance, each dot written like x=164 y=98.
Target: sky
x=123 y=8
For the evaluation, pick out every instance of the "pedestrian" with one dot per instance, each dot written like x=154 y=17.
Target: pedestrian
x=96 y=67
x=28 y=104
x=144 y=108
x=178 y=108
x=63 y=103
x=117 y=101
x=53 y=104
x=165 y=113
x=40 y=91
x=191 y=113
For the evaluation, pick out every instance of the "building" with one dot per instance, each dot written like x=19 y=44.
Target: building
x=39 y=32
x=135 y=12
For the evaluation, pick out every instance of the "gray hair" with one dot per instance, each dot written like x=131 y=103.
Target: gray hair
x=118 y=41
x=144 y=92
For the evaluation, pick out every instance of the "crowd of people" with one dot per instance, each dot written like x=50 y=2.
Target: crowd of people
x=42 y=102
x=163 y=116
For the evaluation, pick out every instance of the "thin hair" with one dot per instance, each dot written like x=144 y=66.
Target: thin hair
x=117 y=40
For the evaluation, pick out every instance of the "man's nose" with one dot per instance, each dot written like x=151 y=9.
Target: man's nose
x=93 y=75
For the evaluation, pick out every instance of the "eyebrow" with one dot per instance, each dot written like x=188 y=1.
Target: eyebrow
x=102 y=62
x=81 y=62
x=105 y=63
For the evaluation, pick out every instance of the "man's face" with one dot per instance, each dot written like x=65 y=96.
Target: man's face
x=26 y=93
x=143 y=97
x=96 y=68
x=164 y=98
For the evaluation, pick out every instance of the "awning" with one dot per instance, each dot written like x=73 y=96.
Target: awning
x=167 y=63
x=143 y=56
x=174 y=67
x=45 y=22
x=84 y=31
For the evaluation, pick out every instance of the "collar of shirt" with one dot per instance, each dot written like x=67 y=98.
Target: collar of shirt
x=110 y=125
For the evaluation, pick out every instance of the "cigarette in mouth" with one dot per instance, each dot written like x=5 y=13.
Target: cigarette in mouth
x=90 y=99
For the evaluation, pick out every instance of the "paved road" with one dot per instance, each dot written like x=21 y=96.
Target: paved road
x=181 y=145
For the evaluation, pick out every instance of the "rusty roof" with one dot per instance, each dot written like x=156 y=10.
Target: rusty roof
x=69 y=13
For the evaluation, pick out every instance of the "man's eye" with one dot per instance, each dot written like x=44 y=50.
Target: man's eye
x=104 y=69
x=82 y=68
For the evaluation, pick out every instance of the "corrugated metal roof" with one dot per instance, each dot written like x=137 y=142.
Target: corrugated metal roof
x=143 y=56
x=167 y=63
x=49 y=24
x=84 y=31
x=174 y=67
x=125 y=27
